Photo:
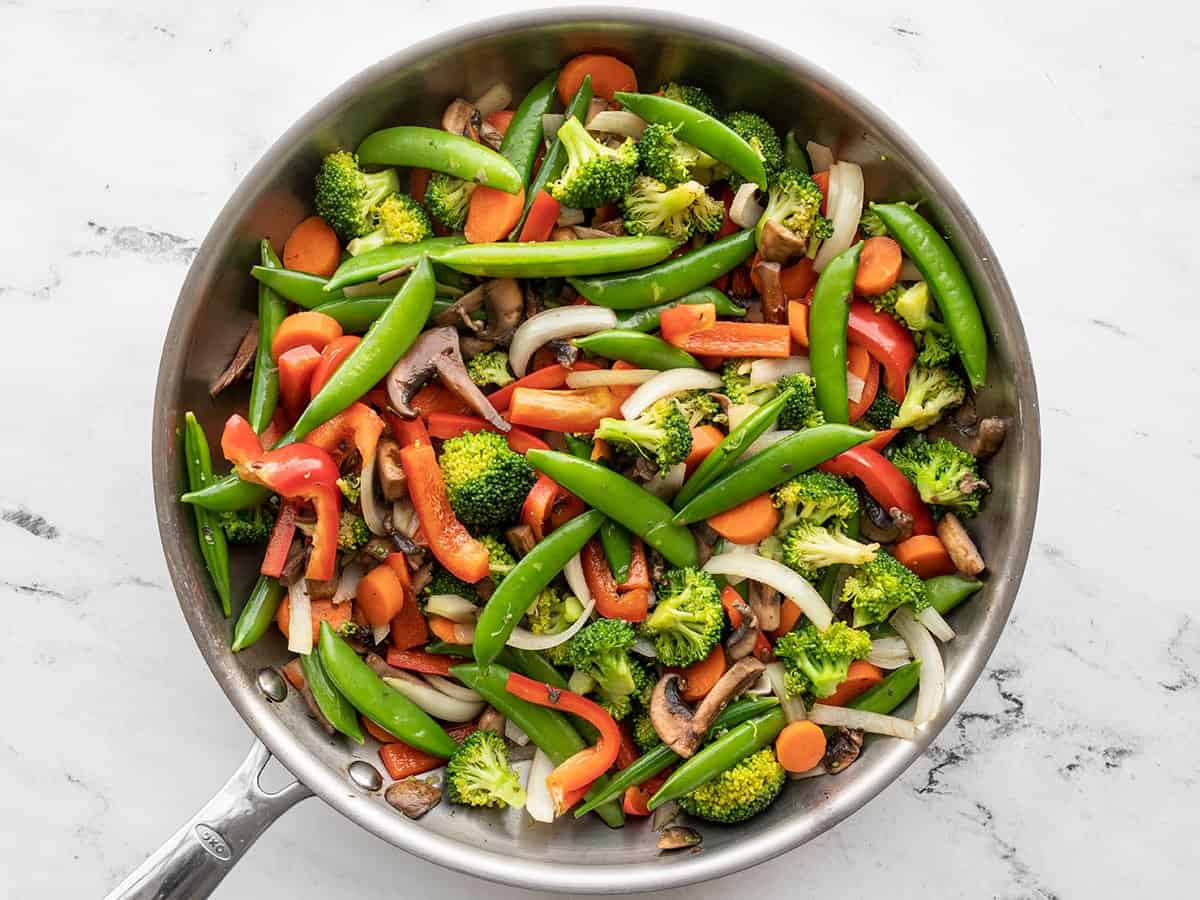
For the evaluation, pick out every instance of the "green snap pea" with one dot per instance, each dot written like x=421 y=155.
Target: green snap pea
x=618 y=549
x=619 y=499
x=556 y=157
x=529 y=576
x=523 y=136
x=895 y=688
x=643 y=350
x=577 y=446
x=432 y=148
x=533 y=665
x=264 y=384
x=258 y=613
x=946 y=278
x=725 y=752
x=300 y=288
x=793 y=153
x=213 y=547
x=551 y=259
x=379 y=702
x=785 y=459
x=828 y=320
x=726 y=453
x=700 y=130
x=388 y=258
x=550 y=731
x=668 y=280
x=357 y=314
x=656 y=760
x=333 y=705
x=650 y=318
x=445 y=648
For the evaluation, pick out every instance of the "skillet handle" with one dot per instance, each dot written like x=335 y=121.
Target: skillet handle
x=191 y=864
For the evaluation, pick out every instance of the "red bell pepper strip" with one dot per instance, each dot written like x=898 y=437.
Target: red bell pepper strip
x=451 y=543
x=295 y=472
x=554 y=376
x=449 y=425
x=402 y=760
x=739 y=340
x=332 y=357
x=573 y=775
x=676 y=323
x=420 y=661
x=357 y=426
x=859 y=407
x=296 y=368
x=563 y=410
x=639 y=572
x=881 y=439
x=884 y=482
x=632 y=606
x=407 y=431
x=409 y=628
x=547 y=506
x=637 y=797
x=886 y=340
x=542 y=216
x=280 y=542
x=629 y=751
x=436 y=397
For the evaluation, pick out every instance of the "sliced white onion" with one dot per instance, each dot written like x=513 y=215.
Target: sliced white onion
x=939 y=627
x=618 y=121
x=768 y=371
x=452 y=607
x=664 y=384
x=347 y=586
x=513 y=732
x=765 y=440
x=909 y=271
x=778 y=576
x=603 y=377
x=890 y=646
x=854 y=386
x=819 y=155
x=380 y=632
x=731 y=547
x=577 y=582
x=931 y=688
x=563 y=322
x=761 y=688
x=464 y=632
x=848 y=197
x=738 y=412
x=434 y=701
x=874 y=723
x=524 y=639
x=404 y=517
x=452 y=689
x=569 y=215
x=744 y=210
x=300 y=638
x=793 y=707
x=667 y=484
x=551 y=122
x=538 y=802
x=645 y=647
x=373 y=512
x=494 y=99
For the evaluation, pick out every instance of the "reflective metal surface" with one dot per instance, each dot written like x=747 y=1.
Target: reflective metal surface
x=413 y=86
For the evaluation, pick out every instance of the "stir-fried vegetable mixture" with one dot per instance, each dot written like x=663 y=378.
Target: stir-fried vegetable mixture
x=642 y=415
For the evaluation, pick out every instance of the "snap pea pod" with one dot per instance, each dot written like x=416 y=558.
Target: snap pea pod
x=211 y=536
x=828 y=319
x=357 y=314
x=618 y=549
x=949 y=283
x=258 y=613
x=700 y=130
x=551 y=259
x=620 y=499
x=527 y=579
x=388 y=258
x=577 y=446
x=644 y=350
x=533 y=665
x=726 y=453
x=884 y=697
x=945 y=592
x=445 y=648
x=726 y=751
x=300 y=288
x=659 y=758
x=793 y=153
x=650 y=318
x=333 y=705
x=523 y=136
x=550 y=730
x=432 y=148
x=556 y=157
x=668 y=280
x=785 y=459
x=264 y=384
x=375 y=699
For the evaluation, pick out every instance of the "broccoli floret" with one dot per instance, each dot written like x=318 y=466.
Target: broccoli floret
x=351 y=487
x=816 y=497
x=447 y=199
x=500 y=558
x=800 y=410
x=881 y=412
x=735 y=376
x=930 y=393
x=644 y=734
x=601 y=650
x=934 y=348
x=758 y=133
x=249 y=526
x=352 y=531
x=486 y=481
x=399 y=220
x=886 y=302
x=809 y=548
x=878 y=588
x=644 y=680
x=943 y=474
x=677 y=212
x=818 y=661
x=661 y=431
x=915 y=306
x=346 y=196
x=739 y=793
x=700 y=407
x=691 y=95
x=490 y=368
x=794 y=203
x=550 y=613
x=871 y=225
x=442 y=582
x=665 y=158
x=686 y=623
x=595 y=174
x=618 y=706
x=478 y=774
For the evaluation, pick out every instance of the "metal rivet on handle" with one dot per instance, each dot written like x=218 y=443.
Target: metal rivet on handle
x=272 y=685
x=365 y=775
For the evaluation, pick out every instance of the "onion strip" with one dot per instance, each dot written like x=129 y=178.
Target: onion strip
x=452 y=607
x=433 y=701
x=604 y=377
x=664 y=384
x=551 y=122
x=569 y=215
x=618 y=121
x=452 y=689
x=846 y=192
x=765 y=440
x=793 y=707
x=513 y=732
x=854 y=387
x=667 y=484
x=538 y=802
x=563 y=322
x=939 y=627
x=768 y=371
x=778 y=576
x=347 y=586
x=931 y=688
x=373 y=513
x=874 y=723
x=494 y=99
x=819 y=155
x=300 y=637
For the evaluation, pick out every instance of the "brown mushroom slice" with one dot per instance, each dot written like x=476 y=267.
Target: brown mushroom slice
x=491 y=719
x=389 y=473
x=766 y=603
x=490 y=135
x=461 y=117
x=681 y=728
x=505 y=302
x=990 y=435
x=745 y=636
x=774 y=303
x=436 y=352
x=611 y=228
x=678 y=837
x=563 y=233
x=459 y=312
x=842 y=749
x=472 y=346
x=520 y=538
x=963 y=552
x=875 y=524
x=903 y=521
x=779 y=244
x=413 y=796
x=240 y=364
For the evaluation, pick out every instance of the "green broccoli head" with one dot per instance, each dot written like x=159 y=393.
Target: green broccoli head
x=644 y=679
x=794 y=202
x=800 y=410
x=886 y=302
x=816 y=497
x=346 y=196
x=447 y=199
x=553 y=611
x=735 y=377
x=601 y=650
x=352 y=531
x=871 y=225
x=644 y=734
x=934 y=348
x=500 y=558
x=943 y=474
x=700 y=407
x=351 y=487
x=595 y=174
x=478 y=774
x=914 y=306
x=758 y=133
x=881 y=412
x=878 y=588
x=677 y=212
x=490 y=368
x=930 y=393
x=619 y=706
x=809 y=548
x=665 y=158
x=661 y=432
x=399 y=220
x=485 y=480
x=249 y=526
x=687 y=620
x=691 y=95
x=738 y=793
x=442 y=582
x=818 y=661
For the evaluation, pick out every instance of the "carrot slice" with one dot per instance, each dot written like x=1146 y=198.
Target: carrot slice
x=747 y=523
x=860 y=676
x=800 y=746
x=563 y=410
x=312 y=247
x=296 y=370
x=878 y=266
x=699 y=677
x=678 y=322
x=380 y=596
x=322 y=611
x=798 y=280
x=924 y=554
x=705 y=439
x=401 y=759
x=609 y=75
x=789 y=615
x=302 y=328
x=554 y=376
x=443 y=629
x=798 y=322
x=492 y=214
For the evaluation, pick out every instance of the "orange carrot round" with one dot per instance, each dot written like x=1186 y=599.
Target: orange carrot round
x=748 y=523
x=705 y=439
x=924 y=554
x=312 y=247
x=699 y=677
x=298 y=329
x=443 y=629
x=878 y=266
x=492 y=214
x=860 y=676
x=609 y=75
x=380 y=595
x=798 y=322
x=800 y=746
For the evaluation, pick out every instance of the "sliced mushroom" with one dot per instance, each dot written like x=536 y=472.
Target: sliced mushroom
x=293 y=564
x=963 y=552
x=843 y=749
x=904 y=522
x=377 y=549
x=875 y=524
x=563 y=233
x=459 y=312
x=520 y=538
x=779 y=244
x=240 y=364
x=681 y=728
x=421 y=577
x=472 y=346
x=413 y=551
x=504 y=302
x=461 y=117
x=678 y=837
x=491 y=719
x=595 y=107
x=611 y=228
x=436 y=352
x=388 y=470
x=774 y=303
x=766 y=603
x=989 y=437
x=564 y=352
x=413 y=796
x=745 y=636
x=490 y=135
x=322 y=590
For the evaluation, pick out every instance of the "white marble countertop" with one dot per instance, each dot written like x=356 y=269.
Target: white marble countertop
x=1070 y=771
